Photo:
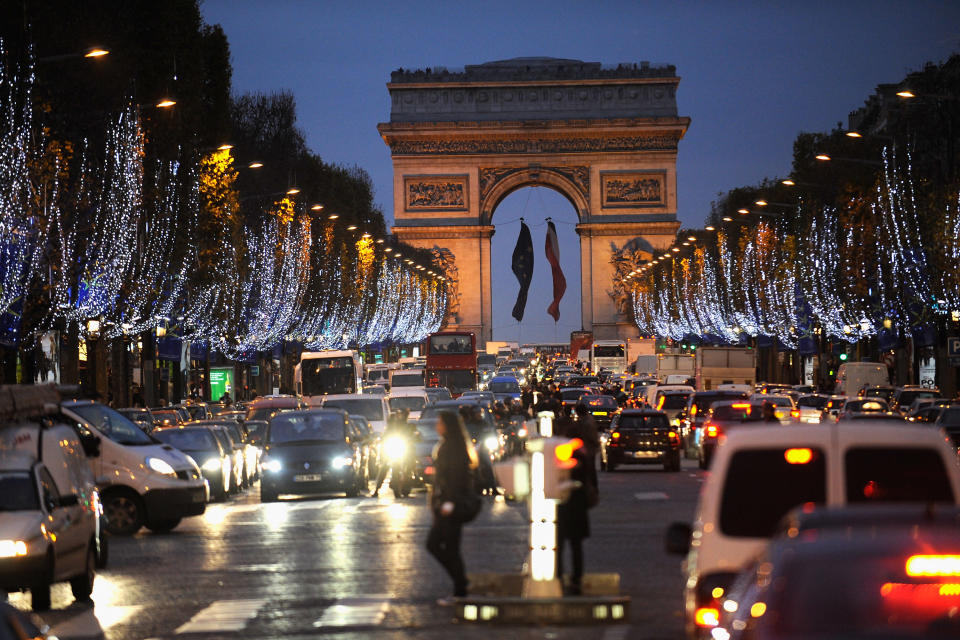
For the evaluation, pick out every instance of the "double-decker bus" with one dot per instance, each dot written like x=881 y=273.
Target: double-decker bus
x=451 y=361
x=328 y=372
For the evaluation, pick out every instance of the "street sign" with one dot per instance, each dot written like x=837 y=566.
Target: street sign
x=254 y=370
x=953 y=350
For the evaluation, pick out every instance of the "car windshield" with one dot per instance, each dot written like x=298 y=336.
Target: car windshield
x=453 y=344
x=264 y=413
x=778 y=401
x=762 y=485
x=234 y=431
x=504 y=386
x=407 y=380
x=631 y=422
x=111 y=424
x=223 y=438
x=135 y=414
x=369 y=408
x=702 y=401
x=413 y=403
x=570 y=395
x=815 y=402
x=903 y=474
x=18 y=492
x=187 y=439
x=886 y=394
x=428 y=430
x=907 y=397
x=599 y=402
x=874 y=404
x=672 y=400
x=307 y=427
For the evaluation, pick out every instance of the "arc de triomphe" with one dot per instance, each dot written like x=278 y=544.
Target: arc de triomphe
x=604 y=137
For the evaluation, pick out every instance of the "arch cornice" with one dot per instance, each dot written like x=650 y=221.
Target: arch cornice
x=572 y=182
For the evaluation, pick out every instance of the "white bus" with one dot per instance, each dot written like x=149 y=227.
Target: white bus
x=328 y=372
x=610 y=355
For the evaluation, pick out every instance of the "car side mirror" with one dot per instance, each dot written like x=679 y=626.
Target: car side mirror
x=678 y=538
x=91 y=445
x=70 y=500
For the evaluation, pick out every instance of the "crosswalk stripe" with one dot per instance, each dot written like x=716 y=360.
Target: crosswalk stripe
x=650 y=495
x=223 y=615
x=367 y=611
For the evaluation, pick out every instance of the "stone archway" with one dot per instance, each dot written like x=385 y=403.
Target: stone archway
x=605 y=138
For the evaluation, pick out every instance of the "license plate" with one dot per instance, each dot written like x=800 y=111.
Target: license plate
x=599 y=413
x=308 y=477
x=645 y=454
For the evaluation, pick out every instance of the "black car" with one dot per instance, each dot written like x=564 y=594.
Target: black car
x=311 y=451
x=202 y=445
x=602 y=408
x=640 y=436
x=721 y=417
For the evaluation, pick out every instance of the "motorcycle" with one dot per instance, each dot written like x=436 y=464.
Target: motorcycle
x=397 y=452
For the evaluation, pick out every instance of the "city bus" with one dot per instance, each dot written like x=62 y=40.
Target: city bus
x=610 y=355
x=328 y=372
x=452 y=361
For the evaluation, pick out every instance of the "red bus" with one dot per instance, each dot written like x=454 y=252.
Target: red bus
x=452 y=361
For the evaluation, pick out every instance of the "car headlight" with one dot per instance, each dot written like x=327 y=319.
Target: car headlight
x=522 y=432
x=341 y=462
x=213 y=464
x=395 y=448
x=12 y=548
x=491 y=443
x=272 y=466
x=160 y=466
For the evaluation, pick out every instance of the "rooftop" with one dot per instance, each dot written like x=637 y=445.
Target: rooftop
x=534 y=68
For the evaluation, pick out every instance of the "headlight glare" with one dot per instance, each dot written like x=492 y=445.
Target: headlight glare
x=12 y=548
x=213 y=464
x=491 y=443
x=341 y=462
x=273 y=466
x=160 y=466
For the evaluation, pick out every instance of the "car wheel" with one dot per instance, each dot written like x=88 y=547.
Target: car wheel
x=163 y=526
x=267 y=495
x=82 y=585
x=103 y=546
x=124 y=512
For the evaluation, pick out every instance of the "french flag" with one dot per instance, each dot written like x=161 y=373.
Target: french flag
x=559 y=282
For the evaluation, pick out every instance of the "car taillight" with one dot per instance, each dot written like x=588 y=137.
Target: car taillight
x=707 y=617
x=795 y=413
x=672 y=434
x=711 y=430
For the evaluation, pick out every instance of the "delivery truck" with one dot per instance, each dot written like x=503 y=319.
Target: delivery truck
x=725 y=365
x=675 y=368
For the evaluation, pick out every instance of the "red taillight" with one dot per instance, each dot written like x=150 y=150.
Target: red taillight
x=707 y=617
x=795 y=413
x=711 y=430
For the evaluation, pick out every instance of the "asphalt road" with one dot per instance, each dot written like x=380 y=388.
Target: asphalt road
x=356 y=568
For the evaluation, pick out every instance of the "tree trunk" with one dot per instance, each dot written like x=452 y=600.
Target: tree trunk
x=70 y=356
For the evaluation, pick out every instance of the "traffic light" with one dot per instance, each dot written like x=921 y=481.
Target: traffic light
x=558 y=460
x=843 y=357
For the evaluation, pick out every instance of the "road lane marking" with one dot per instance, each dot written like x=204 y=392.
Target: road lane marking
x=366 y=611
x=651 y=495
x=223 y=615
x=93 y=622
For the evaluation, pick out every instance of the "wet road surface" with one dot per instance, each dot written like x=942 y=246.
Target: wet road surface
x=356 y=568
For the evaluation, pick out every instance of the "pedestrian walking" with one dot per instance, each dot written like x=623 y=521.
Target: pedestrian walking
x=573 y=520
x=454 y=500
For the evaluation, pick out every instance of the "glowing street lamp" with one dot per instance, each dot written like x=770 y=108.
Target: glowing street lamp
x=906 y=93
x=333 y=216
x=96 y=52
x=788 y=182
x=254 y=165
x=761 y=203
x=316 y=207
x=225 y=147
x=165 y=103
x=853 y=134
x=292 y=191
x=823 y=157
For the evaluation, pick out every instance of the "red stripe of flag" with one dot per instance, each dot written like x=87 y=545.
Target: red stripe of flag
x=559 y=282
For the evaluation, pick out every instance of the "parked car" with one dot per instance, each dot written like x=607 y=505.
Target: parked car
x=200 y=443
x=641 y=436
x=50 y=528
x=310 y=451
x=141 y=482
x=759 y=475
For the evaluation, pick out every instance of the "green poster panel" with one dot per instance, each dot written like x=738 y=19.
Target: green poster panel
x=221 y=382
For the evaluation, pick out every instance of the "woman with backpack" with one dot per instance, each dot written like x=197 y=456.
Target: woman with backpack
x=454 y=500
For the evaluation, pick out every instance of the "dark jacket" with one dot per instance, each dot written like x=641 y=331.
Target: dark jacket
x=453 y=479
x=573 y=520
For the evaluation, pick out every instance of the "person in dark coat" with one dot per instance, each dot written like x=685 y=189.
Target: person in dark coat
x=454 y=462
x=573 y=520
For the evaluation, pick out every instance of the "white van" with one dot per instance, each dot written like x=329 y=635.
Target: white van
x=374 y=408
x=761 y=473
x=141 y=481
x=415 y=399
x=853 y=376
x=50 y=529
x=406 y=378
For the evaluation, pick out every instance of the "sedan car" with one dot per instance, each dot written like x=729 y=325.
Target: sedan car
x=640 y=436
x=721 y=418
x=863 y=405
x=138 y=416
x=602 y=408
x=200 y=443
x=309 y=452
x=166 y=417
